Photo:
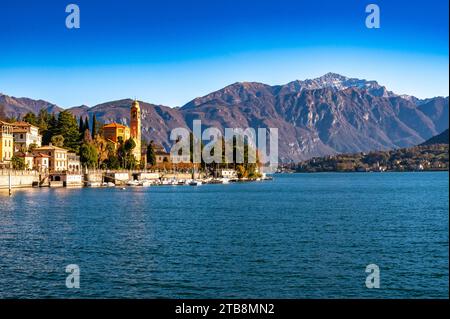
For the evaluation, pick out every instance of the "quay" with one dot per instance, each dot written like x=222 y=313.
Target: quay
x=12 y=179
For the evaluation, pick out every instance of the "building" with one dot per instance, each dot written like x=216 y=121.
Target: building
x=41 y=162
x=135 y=129
x=161 y=155
x=25 y=135
x=57 y=161
x=227 y=173
x=73 y=163
x=28 y=159
x=115 y=132
x=6 y=143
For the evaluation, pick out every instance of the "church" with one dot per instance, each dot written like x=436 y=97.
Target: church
x=115 y=132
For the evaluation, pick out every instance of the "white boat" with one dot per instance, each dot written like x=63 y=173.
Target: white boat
x=195 y=183
x=145 y=183
x=93 y=184
x=133 y=183
x=225 y=181
x=109 y=184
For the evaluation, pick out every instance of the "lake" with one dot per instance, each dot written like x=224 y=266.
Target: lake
x=298 y=236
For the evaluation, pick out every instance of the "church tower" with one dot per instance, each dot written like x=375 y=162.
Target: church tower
x=135 y=129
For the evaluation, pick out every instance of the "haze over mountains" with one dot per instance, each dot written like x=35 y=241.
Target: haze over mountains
x=327 y=115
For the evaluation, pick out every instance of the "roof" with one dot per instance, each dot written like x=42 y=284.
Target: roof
x=41 y=155
x=23 y=124
x=50 y=147
x=114 y=125
x=19 y=130
x=22 y=154
x=4 y=123
x=22 y=127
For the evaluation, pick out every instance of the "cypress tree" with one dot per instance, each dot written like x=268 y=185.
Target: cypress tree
x=94 y=126
x=86 y=123
x=81 y=125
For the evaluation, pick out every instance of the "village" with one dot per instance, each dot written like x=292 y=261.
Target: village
x=26 y=162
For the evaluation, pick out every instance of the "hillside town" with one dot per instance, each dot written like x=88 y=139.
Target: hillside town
x=434 y=157
x=45 y=150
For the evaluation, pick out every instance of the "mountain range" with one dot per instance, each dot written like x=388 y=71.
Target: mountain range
x=438 y=139
x=323 y=116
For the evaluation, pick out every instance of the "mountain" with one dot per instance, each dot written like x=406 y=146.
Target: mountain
x=318 y=117
x=17 y=107
x=438 y=139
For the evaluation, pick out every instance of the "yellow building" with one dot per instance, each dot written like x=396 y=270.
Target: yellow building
x=135 y=129
x=6 y=143
x=115 y=132
x=57 y=157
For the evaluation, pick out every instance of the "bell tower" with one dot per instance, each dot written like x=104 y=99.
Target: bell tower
x=135 y=129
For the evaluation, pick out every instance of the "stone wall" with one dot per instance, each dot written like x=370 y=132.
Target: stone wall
x=18 y=179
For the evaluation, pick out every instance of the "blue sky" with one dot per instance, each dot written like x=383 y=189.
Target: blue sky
x=169 y=52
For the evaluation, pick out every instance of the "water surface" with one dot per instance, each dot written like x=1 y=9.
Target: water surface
x=299 y=236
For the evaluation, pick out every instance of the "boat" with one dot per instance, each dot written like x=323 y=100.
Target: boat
x=93 y=184
x=109 y=184
x=195 y=183
x=145 y=183
x=133 y=183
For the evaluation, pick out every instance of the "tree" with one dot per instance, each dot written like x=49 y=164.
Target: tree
x=31 y=147
x=18 y=162
x=30 y=118
x=87 y=136
x=104 y=148
x=88 y=155
x=51 y=127
x=94 y=126
x=81 y=128
x=241 y=172
x=151 y=156
x=57 y=140
x=68 y=128
x=113 y=162
x=86 y=123
x=125 y=153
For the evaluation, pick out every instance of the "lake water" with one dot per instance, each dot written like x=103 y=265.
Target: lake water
x=299 y=236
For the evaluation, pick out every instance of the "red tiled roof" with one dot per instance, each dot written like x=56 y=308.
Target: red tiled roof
x=114 y=125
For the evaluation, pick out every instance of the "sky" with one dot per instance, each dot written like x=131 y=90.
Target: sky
x=171 y=51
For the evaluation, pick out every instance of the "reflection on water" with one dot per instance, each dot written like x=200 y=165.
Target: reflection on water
x=299 y=236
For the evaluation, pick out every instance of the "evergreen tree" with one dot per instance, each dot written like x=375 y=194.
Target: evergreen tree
x=30 y=118
x=57 y=140
x=151 y=157
x=49 y=123
x=43 y=120
x=86 y=123
x=88 y=155
x=94 y=126
x=68 y=127
x=81 y=128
